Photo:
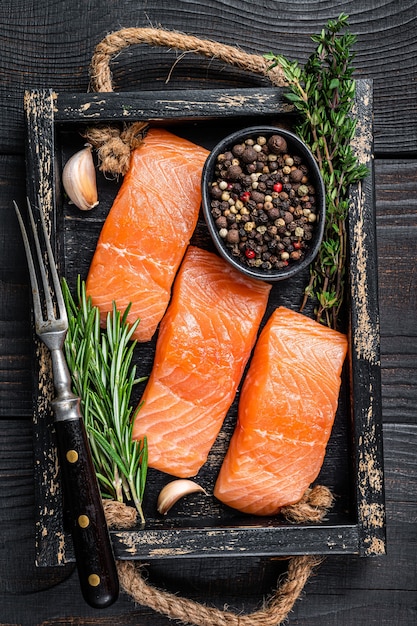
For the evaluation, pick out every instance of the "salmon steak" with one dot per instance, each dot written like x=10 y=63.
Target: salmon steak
x=286 y=412
x=147 y=230
x=204 y=342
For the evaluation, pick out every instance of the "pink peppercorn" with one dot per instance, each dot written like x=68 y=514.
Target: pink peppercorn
x=249 y=254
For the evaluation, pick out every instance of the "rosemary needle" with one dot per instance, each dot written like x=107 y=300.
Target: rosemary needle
x=100 y=363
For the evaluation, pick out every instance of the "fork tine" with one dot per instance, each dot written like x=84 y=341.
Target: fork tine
x=51 y=314
x=41 y=265
x=37 y=309
x=54 y=273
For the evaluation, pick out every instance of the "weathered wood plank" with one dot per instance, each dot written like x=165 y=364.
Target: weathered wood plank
x=15 y=344
x=18 y=572
x=398 y=373
x=365 y=332
x=60 y=59
x=397 y=230
x=396 y=204
x=170 y=104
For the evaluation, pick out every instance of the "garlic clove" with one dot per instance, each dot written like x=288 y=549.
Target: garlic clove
x=173 y=491
x=79 y=179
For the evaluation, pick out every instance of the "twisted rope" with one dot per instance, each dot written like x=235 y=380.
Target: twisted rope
x=312 y=508
x=190 y=612
x=114 y=43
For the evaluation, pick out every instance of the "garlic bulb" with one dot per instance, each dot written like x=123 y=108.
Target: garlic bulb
x=79 y=179
x=173 y=491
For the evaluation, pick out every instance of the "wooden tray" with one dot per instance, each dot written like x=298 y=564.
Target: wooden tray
x=199 y=525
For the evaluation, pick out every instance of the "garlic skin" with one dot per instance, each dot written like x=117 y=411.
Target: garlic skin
x=174 y=491
x=79 y=179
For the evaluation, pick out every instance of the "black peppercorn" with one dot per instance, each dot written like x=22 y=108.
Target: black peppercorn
x=249 y=155
x=238 y=149
x=277 y=144
x=296 y=175
x=233 y=172
x=221 y=222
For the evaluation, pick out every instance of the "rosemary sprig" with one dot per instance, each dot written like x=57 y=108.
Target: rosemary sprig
x=323 y=93
x=103 y=377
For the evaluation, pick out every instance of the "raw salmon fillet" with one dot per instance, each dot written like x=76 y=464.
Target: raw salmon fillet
x=286 y=412
x=147 y=230
x=203 y=345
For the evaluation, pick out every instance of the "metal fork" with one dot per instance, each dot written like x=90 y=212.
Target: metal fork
x=92 y=545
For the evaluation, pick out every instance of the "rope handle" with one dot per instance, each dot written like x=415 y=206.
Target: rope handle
x=114 y=43
x=312 y=508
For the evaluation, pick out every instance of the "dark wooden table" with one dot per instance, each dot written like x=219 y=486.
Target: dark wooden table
x=49 y=44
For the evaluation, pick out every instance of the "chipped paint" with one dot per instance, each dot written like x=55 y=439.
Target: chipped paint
x=366 y=335
x=61 y=551
x=239 y=101
x=373 y=513
x=230 y=101
x=165 y=552
x=375 y=546
x=363 y=139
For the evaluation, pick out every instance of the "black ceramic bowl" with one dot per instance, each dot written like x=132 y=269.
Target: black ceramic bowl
x=235 y=253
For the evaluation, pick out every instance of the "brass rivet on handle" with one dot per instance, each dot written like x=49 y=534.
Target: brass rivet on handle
x=94 y=580
x=72 y=456
x=83 y=521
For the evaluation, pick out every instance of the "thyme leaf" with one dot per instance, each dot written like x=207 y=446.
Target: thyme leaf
x=322 y=93
x=100 y=363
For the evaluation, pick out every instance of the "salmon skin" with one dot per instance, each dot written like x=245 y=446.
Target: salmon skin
x=147 y=230
x=286 y=412
x=203 y=345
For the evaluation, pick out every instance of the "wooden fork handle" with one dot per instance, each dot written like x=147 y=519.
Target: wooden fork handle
x=92 y=544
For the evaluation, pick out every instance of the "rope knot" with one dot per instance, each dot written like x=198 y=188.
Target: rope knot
x=114 y=145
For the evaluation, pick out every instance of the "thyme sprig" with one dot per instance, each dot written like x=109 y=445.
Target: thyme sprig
x=323 y=93
x=100 y=363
